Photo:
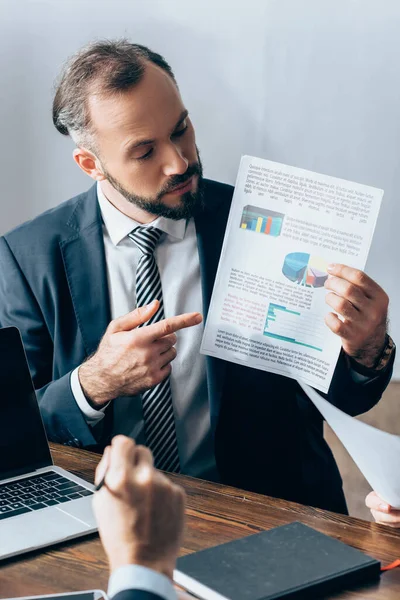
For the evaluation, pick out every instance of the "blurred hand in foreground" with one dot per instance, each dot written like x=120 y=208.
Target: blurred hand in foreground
x=139 y=511
x=382 y=511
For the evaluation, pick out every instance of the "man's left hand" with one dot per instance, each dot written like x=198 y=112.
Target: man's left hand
x=363 y=306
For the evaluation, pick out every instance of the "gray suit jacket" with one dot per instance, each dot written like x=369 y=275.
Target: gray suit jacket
x=268 y=435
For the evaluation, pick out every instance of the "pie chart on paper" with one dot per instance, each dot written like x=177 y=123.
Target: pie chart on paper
x=305 y=269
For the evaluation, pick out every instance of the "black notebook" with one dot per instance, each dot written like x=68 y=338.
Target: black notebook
x=292 y=561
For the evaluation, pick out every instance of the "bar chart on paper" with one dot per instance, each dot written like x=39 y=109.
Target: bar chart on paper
x=289 y=325
x=261 y=220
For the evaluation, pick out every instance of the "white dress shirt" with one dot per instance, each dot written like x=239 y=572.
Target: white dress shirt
x=178 y=263
x=136 y=577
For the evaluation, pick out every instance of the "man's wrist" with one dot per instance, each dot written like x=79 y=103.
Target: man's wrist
x=92 y=415
x=162 y=566
x=136 y=577
x=95 y=393
x=381 y=359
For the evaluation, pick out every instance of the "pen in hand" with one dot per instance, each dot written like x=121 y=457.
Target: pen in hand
x=101 y=483
x=104 y=468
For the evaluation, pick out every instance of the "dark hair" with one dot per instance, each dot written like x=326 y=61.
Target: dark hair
x=103 y=67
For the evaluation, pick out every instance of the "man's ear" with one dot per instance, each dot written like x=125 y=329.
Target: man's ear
x=88 y=162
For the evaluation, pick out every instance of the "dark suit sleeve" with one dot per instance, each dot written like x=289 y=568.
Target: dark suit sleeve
x=356 y=397
x=63 y=420
x=136 y=595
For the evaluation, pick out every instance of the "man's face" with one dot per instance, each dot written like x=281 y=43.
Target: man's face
x=146 y=146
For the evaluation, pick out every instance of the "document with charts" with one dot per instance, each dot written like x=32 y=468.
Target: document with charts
x=284 y=228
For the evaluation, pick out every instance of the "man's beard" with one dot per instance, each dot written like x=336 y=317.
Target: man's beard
x=191 y=203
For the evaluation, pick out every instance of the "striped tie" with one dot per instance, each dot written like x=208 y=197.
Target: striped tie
x=158 y=411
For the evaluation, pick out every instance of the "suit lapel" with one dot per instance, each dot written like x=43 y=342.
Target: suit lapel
x=85 y=267
x=210 y=230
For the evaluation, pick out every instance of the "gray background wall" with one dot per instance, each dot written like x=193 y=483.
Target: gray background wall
x=311 y=83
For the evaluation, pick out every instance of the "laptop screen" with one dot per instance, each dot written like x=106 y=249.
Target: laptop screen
x=23 y=442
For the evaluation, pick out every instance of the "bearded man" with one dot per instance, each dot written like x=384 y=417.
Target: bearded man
x=108 y=290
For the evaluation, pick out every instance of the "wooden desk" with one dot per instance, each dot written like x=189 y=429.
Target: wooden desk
x=215 y=514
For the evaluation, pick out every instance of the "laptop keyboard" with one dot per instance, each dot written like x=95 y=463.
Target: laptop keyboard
x=36 y=492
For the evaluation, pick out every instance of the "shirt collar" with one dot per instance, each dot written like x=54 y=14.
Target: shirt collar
x=119 y=225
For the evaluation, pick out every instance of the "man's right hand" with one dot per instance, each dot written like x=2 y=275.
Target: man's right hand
x=139 y=511
x=130 y=360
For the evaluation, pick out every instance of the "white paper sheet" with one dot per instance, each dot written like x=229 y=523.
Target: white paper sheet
x=376 y=453
x=268 y=305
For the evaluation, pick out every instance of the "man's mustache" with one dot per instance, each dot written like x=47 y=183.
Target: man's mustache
x=178 y=180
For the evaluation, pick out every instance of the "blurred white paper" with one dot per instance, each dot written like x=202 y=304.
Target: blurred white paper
x=376 y=453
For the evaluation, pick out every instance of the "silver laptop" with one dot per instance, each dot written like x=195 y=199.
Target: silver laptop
x=40 y=504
